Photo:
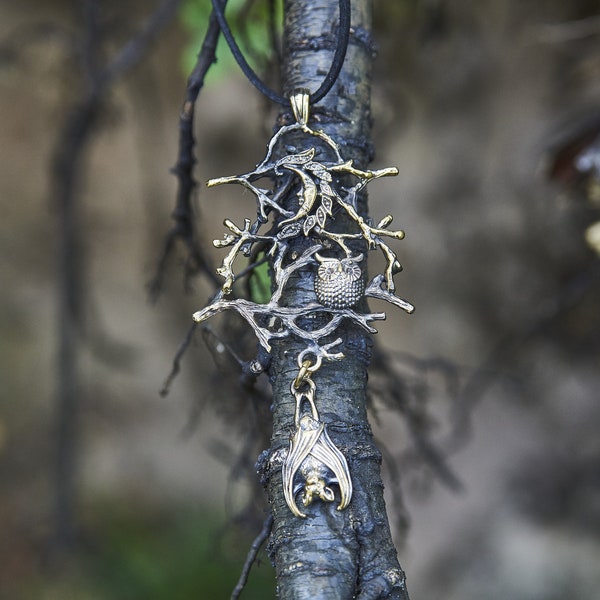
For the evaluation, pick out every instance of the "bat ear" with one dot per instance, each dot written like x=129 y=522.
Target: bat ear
x=328 y=495
x=357 y=258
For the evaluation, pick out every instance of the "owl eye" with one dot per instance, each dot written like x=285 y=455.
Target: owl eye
x=328 y=269
x=351 y=269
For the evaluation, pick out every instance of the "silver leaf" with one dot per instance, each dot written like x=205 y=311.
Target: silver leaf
x=309 y=223
x=321 y=216
x=327 y=204
x=326 y=189
x=289 y=231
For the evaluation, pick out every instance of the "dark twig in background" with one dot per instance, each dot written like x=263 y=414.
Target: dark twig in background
x=176 y=365
x=401 y=383
x=260 y=539
x=184 y=228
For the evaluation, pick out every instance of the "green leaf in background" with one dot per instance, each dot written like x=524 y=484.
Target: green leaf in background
x=250 y=28
x=260 y=282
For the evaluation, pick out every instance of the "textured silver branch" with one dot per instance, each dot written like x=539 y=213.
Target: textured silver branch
x=375 y=290
x=262 y=195
x=240 y=240
x=282 y=274
x=273 y=321
x=322 y=352
x=373 y=235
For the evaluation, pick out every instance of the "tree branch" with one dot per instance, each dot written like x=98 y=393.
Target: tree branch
x=184 y=228
x=260 y=539
x=349 y=553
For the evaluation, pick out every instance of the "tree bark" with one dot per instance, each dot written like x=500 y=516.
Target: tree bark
x=330 y=554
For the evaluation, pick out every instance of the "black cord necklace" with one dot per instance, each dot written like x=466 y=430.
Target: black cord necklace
x=343 y=37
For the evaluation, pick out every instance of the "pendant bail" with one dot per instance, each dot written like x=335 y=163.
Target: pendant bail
x=300 y=101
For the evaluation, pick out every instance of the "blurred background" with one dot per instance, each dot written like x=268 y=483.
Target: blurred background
x=491 y=111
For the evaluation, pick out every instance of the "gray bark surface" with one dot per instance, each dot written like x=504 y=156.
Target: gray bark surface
x=330 y=554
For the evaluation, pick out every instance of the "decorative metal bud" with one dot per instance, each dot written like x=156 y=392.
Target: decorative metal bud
x=339 y=283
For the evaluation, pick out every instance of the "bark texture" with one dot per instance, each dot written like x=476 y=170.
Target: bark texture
x=331 y=554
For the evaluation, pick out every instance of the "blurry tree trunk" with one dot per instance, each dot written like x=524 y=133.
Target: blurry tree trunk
x=66 y=179
x=331 y=554
x=67 y=176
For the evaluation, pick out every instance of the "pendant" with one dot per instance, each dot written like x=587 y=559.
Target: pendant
x=314 y=457
x=315 y=171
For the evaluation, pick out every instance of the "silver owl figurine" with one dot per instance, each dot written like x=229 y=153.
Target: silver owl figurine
x=339 y=283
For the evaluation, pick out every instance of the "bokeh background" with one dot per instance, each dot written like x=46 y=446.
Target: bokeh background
x=491 y=111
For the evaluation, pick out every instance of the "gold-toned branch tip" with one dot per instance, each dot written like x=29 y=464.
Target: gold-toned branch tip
x=387 y=220
x=221 y=180
x=387 y=172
